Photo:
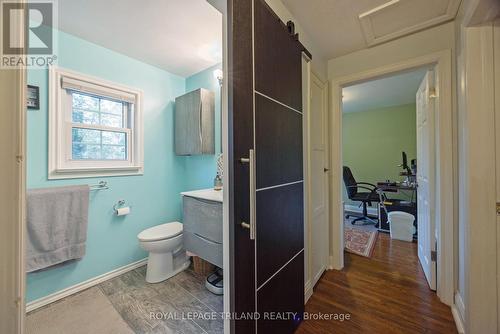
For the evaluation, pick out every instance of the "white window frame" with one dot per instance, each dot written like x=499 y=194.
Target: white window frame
x=61 y=164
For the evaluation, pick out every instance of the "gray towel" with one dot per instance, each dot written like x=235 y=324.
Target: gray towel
x=56 y=225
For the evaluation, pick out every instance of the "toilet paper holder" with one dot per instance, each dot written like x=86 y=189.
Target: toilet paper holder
x=120 y=204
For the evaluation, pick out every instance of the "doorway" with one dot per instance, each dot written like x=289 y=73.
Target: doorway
x=113 y=252
x=443 y=213
x=388 y=169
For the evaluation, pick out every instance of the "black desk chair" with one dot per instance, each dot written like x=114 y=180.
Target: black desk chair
x=365 y=197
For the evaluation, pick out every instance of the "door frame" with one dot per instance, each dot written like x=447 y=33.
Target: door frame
x=13 y=195
x=496 y=50
x=444 y=213
x=222 y=6
x=12 y=203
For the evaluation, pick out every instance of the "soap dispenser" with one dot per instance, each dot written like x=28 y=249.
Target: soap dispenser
x=218 y=176
x=217 y=182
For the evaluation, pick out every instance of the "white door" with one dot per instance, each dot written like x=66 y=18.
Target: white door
x=425 y=178
x=318 y=178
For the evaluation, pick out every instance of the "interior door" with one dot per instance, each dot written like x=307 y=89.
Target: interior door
x=266 y=170
x=318 y=152
x=426 y=179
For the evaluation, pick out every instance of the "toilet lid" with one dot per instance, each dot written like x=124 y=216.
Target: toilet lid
x=161 y=232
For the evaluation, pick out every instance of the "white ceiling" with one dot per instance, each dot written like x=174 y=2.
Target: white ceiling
x=336 y=28
x=182 y=37
x=395 y=90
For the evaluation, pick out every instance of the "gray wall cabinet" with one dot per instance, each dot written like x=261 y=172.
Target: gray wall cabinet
x=195 y=123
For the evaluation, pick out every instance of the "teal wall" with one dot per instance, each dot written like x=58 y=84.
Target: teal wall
x=198 y=166
x=154 y=196
x=372 y=142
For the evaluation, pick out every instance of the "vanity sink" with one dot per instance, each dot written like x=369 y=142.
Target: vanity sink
x=207 y=194
x=202 y=230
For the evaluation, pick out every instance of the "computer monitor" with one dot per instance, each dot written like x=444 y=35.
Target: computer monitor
x=404 y=165
x=405 y=160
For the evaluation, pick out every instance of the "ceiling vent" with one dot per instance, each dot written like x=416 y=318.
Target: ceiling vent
x=397 y=18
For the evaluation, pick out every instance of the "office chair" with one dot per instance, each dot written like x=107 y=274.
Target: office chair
x=365 y=197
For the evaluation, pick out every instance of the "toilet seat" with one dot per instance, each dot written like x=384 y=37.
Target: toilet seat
x=161 y=232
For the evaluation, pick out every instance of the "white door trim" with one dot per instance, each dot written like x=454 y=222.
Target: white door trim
x=222 y=6
x=12 y=195
x=442 y=62
x=12 y=200
x=306 y=107
x=479 y=217
x=496 y=52
x=477 y=298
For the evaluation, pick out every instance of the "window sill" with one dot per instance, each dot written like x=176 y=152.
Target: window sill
x=78 y=173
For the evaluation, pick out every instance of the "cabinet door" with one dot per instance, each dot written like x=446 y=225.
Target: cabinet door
x=207 y=121
x=204 y=218
x=188 y=124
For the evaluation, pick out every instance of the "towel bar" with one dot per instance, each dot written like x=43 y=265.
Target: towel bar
x=102 y=185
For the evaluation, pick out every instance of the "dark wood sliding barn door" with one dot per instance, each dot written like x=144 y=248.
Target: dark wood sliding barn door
x=266 y=173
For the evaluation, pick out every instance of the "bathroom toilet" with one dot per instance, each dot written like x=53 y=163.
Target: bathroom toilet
x=166 y=252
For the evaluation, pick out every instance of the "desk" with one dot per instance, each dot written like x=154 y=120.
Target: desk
x=409 y=206
x=395 y=187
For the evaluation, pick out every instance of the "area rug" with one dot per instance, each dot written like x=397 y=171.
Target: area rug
x=358 y=241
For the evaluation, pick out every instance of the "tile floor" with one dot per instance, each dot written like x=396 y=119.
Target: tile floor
x=126 y=303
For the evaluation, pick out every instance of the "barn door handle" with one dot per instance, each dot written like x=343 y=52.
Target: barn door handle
x=251 y=163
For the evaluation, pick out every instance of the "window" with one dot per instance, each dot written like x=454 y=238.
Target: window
x=95 y=127
x=99 y=128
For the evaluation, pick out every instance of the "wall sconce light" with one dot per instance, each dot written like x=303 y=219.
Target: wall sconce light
x=219 y=75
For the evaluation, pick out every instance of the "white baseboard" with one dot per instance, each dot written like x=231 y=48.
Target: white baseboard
x=309 y=286
x=459 y=302
x=458 y=312
x=333 y=265
x=33 y=305
x=308 y=291
x=318 y=275
x=458 y=319
x=356 y=209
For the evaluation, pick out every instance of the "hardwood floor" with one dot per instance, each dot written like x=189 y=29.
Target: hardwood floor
x=387 y=293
